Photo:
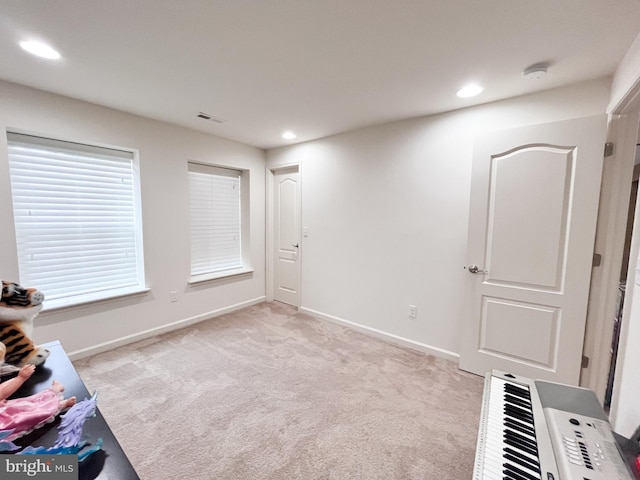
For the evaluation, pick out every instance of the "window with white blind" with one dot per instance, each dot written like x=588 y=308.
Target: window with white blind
x=217 y=202
x=77 y=218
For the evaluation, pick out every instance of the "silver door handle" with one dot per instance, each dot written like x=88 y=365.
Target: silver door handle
x=476 y=269
x=295 y=245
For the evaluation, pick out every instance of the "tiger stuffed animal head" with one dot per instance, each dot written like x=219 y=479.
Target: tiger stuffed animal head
x=18 y=307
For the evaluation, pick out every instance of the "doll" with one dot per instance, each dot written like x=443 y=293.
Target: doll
x=18 y=308
x=23 y=415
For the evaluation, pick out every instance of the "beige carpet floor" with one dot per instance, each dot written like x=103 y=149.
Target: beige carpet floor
x=270 y=393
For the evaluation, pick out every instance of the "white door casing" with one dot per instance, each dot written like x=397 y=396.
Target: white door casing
x=286 y=236
x=534 y=205
x=617 y=176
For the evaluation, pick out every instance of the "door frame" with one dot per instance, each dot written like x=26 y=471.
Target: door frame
x=610 y=234
x=270 y=257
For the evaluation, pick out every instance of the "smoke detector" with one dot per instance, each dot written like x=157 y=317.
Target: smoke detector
x=535 y=72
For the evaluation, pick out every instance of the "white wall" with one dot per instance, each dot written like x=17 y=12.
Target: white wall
x=164 y=150
x=626 y=78
x=387 y=210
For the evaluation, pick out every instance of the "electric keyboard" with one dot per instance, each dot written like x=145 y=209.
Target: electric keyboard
x=537 y=430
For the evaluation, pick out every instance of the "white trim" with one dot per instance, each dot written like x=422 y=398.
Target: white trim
x=610 y=234
x=66 y=304
x=389 y=337
x=270 y=178
x=207 y=277
x=629 y=110
x=624 y=103
x=152 y=332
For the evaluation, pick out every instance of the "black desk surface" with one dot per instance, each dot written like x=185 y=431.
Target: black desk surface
x=110 y=463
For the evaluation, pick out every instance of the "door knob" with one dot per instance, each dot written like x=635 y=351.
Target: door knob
x=476 y=269
x=295 y=245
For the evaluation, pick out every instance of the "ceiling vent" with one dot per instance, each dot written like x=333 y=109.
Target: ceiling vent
x=211 y=118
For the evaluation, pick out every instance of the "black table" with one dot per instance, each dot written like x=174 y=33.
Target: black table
x=110 y=463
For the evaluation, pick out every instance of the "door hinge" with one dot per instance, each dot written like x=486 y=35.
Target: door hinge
x=597 y=260
x=608 y=149
x=585 y=361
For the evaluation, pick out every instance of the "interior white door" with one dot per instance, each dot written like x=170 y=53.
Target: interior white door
x=286 y=241
x=534 y=204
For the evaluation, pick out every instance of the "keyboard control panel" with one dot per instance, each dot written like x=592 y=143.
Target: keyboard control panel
x=588 y=448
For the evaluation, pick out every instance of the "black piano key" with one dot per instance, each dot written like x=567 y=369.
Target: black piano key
x=523 y=405
x=524 y=398
x=520 y=447
x=508 y=475
x=518 y=413
x=516 y=408
x=519 y=391
x=513 y=405
x=521 y=402
x=515 y=417
x=526 y=462
x=516 y=386
x=521 y=427
x=516 y=443
x=523 y=438
x=518 y=472
x=525 y=441
x=532 y=459
x=523 y=465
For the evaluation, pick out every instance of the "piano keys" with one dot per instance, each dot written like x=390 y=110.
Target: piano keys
x=510 y=444
x=534 y=430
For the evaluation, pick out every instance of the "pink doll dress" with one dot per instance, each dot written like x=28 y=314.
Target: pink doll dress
x=23 y=415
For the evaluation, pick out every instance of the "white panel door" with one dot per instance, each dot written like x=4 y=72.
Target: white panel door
x=534 y=204
x=286 y=235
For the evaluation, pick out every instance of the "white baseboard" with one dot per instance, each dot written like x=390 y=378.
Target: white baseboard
x=389 y=337
x=103 y=347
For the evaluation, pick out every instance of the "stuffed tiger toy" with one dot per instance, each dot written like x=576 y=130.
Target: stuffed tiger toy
x=18 y=307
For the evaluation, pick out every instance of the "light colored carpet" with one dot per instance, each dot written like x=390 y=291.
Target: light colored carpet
x=270 y=393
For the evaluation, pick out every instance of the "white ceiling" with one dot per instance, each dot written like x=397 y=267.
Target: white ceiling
x=317 y=67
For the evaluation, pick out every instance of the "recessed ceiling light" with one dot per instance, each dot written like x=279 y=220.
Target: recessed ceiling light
x=470 y=91
x=289 y=135
x=40 y=49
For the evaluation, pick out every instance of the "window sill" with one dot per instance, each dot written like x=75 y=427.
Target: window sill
x=84 y=300
x=219 y=275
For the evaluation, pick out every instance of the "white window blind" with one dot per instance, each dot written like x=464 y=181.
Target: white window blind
x=77 y=222
x=215 y=219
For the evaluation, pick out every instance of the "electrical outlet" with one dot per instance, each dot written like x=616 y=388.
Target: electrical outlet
x=173 y=296
x=413 y=311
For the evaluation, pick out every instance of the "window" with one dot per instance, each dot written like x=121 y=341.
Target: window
x=218 y=226
x=77 y=217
